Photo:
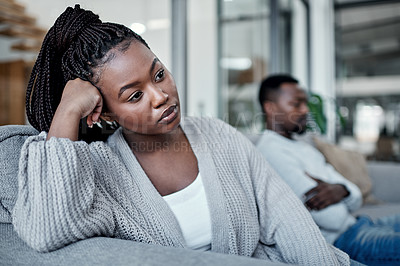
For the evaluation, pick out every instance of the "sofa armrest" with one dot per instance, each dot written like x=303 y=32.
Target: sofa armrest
x=12 y=137
x=385 y=178
x=112 y=251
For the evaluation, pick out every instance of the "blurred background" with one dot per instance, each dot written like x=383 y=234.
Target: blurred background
x=346 y=51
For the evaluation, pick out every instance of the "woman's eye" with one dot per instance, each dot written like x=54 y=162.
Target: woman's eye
x=160 y=75
x=135 y=97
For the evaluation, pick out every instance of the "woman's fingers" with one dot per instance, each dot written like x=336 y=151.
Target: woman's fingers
x=94 y=116
x=83 y=97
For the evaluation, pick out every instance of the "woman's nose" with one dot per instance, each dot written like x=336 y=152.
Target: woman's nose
x=158 y=97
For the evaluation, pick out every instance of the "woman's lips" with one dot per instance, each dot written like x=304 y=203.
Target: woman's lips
x=169 y=115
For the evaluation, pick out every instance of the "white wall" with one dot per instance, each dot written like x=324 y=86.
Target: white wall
x=6 y=54
x=202 y=58
x=323 y=59
x=119 y=11
x=299 y=43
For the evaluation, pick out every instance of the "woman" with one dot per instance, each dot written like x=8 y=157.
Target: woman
x=195 y=183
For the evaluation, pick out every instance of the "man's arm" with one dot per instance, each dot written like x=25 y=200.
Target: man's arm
x=329 y=218
x=324 y=194
x=354 y=200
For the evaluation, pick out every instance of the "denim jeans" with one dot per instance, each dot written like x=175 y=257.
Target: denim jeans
x=356 y=263
x=373 y=242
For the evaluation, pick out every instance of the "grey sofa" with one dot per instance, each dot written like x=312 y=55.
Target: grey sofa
x=385 y=177
x=93 y=251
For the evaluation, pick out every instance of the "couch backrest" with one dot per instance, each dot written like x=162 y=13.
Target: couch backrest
x=385 y=180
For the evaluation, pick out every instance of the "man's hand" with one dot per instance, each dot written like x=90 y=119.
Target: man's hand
x=324 y=194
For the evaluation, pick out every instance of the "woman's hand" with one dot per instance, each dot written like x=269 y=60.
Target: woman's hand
x=79 y=99
x=82 y=98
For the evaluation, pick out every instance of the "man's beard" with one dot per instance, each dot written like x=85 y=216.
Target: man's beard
x=300 y=127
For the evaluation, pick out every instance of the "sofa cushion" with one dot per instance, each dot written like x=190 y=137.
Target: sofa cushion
x=352 y=165
x=379 y=210
x=112 y=251
x=12 y=137
x=385 y=180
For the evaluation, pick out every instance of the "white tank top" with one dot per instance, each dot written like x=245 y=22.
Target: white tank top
x=191 y=210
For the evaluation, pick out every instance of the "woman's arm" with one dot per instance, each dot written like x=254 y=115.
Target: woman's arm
x=79 y=99
x=330 y=218
x=288 y=232
x=59 y=200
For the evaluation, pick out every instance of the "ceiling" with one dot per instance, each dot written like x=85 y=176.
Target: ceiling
x=367 y=38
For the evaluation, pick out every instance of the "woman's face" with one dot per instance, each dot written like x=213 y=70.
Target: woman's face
x=139 y=92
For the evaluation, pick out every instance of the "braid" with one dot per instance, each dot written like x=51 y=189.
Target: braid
x=74 y=47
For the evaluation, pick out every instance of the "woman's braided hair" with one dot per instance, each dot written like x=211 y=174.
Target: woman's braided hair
x=74 y=47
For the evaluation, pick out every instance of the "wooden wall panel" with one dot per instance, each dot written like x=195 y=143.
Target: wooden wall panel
x=13 y=82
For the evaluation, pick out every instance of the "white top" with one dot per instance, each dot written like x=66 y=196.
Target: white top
x=191 y=210
x=292 y=159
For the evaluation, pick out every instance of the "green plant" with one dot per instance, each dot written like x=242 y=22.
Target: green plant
x=316 y=107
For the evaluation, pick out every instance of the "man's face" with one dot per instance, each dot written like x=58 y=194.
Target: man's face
x=290 y=110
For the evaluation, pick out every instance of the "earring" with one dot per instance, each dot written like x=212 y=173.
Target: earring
x=112 y=124
x=98 y=124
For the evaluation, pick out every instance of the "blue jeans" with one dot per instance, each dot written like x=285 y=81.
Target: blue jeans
x=356 y=263
x=373 y=243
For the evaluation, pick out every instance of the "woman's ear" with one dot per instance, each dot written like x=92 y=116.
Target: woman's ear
x=107 y=117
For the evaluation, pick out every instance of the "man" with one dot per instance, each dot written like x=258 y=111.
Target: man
x=328 y=195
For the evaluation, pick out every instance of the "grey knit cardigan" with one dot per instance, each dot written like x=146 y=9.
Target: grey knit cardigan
x=73 y=190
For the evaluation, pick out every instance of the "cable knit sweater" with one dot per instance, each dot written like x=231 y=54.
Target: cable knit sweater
x=73 y=190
